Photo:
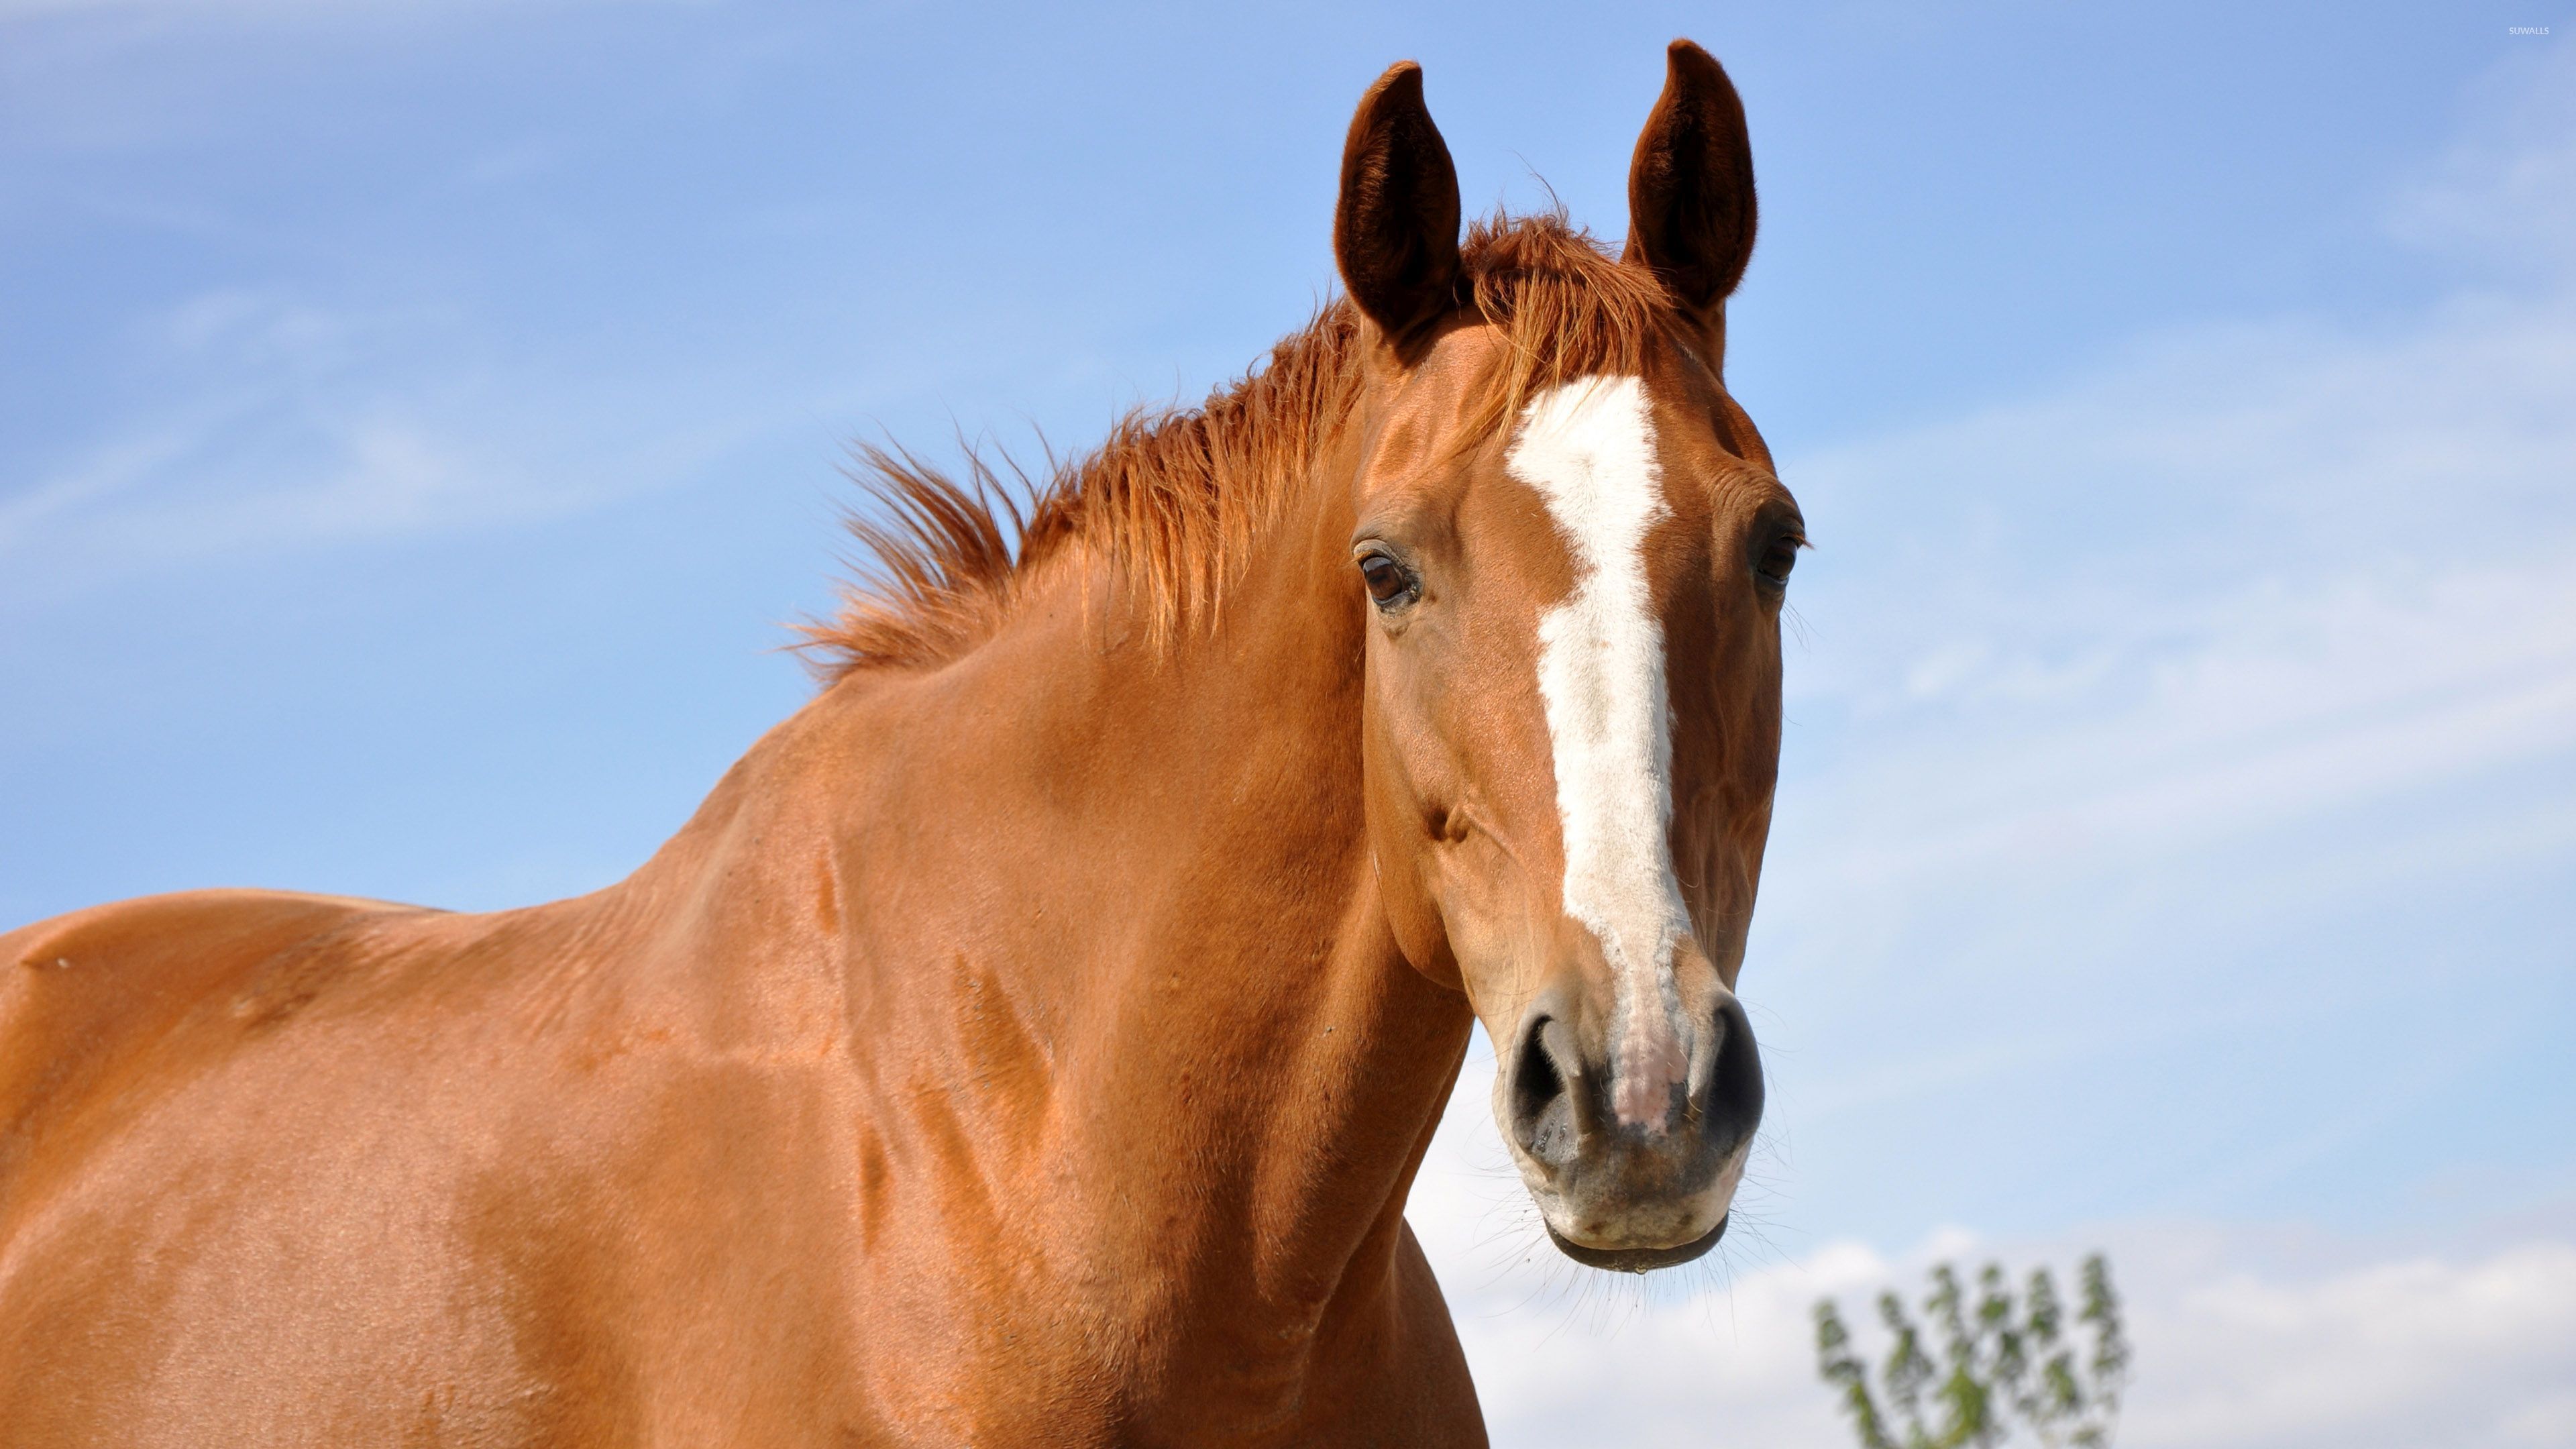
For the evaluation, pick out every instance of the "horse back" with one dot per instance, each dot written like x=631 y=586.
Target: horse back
x=95 y=1002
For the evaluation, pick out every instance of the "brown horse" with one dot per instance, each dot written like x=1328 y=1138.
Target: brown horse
x=1033 y=1039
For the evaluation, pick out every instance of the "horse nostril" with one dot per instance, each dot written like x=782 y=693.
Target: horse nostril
x=1550 y=1092
x=1726 y=1077
x=1535 y=1086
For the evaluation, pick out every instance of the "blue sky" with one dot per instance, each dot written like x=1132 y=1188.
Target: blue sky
x=417 y=422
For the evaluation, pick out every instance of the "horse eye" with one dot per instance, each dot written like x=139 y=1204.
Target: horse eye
x=1777 y=560
x=1387 y=582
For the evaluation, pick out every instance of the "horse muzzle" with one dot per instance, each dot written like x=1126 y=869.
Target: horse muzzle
x=1618 y=1193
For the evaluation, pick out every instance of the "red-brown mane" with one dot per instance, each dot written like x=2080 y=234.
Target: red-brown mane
x=1176 y=498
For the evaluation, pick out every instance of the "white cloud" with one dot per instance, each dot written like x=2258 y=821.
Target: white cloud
x=2507 y=192
x=2407 y=1352
x=2245 y=1337
x=2250 y=576
x=291 y=425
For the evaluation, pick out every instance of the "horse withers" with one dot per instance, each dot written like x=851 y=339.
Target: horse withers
x=1033 y=1039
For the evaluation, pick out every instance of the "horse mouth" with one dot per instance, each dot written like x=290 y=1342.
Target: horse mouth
x=1638 y=1260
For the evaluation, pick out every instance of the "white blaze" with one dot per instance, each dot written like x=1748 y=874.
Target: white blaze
x=1588 y=448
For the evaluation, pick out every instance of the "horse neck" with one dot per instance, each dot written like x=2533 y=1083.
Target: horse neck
x=1108 y=915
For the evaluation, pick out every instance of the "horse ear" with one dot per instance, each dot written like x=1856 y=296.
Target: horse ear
x=1690 y=188
x=1395 y=230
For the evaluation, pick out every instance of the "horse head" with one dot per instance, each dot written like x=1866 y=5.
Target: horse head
x=1572 y=554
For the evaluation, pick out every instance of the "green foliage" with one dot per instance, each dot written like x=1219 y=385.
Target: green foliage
x=2003 y=1362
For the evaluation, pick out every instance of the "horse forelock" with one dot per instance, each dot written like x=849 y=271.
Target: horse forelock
x=1176 y=499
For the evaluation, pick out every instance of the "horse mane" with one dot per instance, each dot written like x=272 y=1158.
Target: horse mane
x=1176 y=499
